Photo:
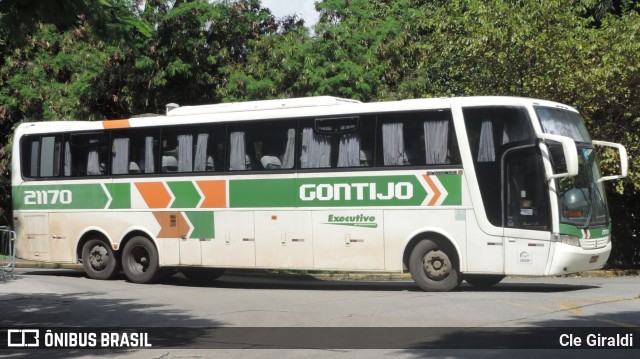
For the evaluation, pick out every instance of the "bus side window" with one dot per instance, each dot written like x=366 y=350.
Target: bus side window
x=30 y=148
x=264 y=146
x=134 y=152
x=418 y=139
x=193 y=150
x=337 y=143
x=88 y=153
x=42 y=156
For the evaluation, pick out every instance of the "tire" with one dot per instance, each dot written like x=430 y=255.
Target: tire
x=98 y=260
x=203 y=275
x=433 y=267
x=140 y=261
x=483 y=280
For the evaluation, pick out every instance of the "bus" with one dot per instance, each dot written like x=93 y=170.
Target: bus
x=448 y=189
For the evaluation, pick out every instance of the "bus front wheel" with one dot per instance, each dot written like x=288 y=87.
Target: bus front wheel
x=140 y=261
x=433 y=267
x=98 y=260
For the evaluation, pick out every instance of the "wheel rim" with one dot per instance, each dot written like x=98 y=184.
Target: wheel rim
x=98 y=257
x=139 y=259
x=436 y=265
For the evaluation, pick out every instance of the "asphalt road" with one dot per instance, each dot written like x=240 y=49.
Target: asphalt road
x=48 y=298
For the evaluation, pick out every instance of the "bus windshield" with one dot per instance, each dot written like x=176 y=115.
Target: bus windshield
x=581 y=199
x=562 y=122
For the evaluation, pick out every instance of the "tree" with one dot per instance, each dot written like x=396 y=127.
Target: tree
x=89 y=60
x=194 y=41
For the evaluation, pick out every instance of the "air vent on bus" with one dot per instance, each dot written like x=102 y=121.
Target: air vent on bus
x=259 y=105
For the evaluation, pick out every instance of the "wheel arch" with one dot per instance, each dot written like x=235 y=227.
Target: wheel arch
x=92 y=233
x=98 y=233
x=137 y=232
x=441 y=238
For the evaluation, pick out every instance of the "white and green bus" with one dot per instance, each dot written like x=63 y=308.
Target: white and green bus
x=448 y=189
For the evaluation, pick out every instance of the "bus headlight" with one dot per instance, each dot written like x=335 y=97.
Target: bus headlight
x=567 y=239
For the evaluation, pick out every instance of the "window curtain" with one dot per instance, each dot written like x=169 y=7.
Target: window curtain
x=316 y=150
x=486 y=150
x=393 y=144
x=436 y=137
x=67 y=159
x=93 y=163
x=47 y=156
x=149 y=166
x=200 y=162
x=349 y=150
x=120 y=163
x=185 y=153
x=237 y=160
x=35 y=149
x=289 y=152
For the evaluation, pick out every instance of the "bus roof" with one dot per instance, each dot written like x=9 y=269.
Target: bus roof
x=283 y=108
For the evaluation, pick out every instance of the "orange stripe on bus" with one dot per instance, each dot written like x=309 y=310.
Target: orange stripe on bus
x=436 y=191
x=172 y=225
x=215 y=193
x=109 y=124
x=154 y=194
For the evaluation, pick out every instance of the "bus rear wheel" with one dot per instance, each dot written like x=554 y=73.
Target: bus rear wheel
x=433 y=267
x=140 y=261
x=98 y=260
x=483 y=280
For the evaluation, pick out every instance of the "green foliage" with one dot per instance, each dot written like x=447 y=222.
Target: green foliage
x=182 y=62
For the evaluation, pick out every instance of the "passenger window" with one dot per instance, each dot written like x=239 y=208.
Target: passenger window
x=134 y=152
x=87 y=155
x=417 y=139
x=262 y=146
x=337 y=142
x=42 y=156
x=198 y=149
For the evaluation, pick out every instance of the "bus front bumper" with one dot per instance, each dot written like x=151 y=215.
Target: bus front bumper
x=567 y=259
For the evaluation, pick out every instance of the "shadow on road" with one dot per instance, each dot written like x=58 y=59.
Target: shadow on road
x=311 y=282
x=88 y=310
x=599 y=338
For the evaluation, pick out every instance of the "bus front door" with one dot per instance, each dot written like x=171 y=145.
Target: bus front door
x=526 y=210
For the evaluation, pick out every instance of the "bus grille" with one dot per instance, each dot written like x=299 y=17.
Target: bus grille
x=593 y=243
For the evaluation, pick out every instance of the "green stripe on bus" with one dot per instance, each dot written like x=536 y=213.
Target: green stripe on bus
x=402 y=190
x=570 y=230
x=202 y=223
x=120 y=195
x=577 y=232
x=405 y=190
x=76 y=196
x=262 y=193
x=453 y=185
x=186 y=194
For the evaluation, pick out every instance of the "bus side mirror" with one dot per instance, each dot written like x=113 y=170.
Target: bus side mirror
x=570 y=155
x=623 y=160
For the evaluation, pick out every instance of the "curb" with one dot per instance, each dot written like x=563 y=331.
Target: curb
x=46 y=265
